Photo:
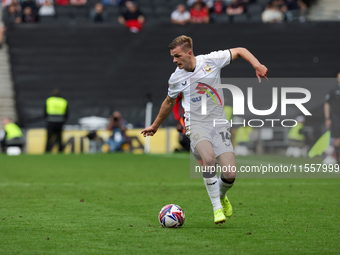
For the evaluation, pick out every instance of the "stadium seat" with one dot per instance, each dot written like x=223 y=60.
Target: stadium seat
x=47 y=19
x=63 y=12
x=222 y=18
x=113 y=12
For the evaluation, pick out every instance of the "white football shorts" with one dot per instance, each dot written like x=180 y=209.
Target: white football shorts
x=219 y=136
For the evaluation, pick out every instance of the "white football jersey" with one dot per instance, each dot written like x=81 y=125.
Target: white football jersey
x=198 y=84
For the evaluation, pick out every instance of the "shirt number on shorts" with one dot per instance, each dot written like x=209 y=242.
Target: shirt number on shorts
x=225 y=137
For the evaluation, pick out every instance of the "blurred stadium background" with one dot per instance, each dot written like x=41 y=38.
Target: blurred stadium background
x=101 y=68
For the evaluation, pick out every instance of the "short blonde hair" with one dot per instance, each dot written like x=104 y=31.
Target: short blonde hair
x=182 y=41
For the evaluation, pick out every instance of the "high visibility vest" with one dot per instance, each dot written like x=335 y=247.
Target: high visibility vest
x=294 y=133
x=12 y=131
x=243 y=134
x=228 y=111
x=56 y=106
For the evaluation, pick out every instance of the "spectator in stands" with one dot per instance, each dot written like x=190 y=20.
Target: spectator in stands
x=12 y=135
x=237 y=7
x=29 y=15
x=10 y=16
x=219 y=7
x=98 y=14
x=180 y=16
x=292 y=6
x=272 y=14
x=118 y=127
x=78 y=2
x=199 y=13
x=56 y=114
x=62 y=2
x=46 y=8
x=29 y=3
x=207 y=3
x=132 y=18
x=109 y=2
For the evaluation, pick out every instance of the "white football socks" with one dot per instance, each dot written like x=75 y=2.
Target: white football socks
x=213 y=189
x=223 y=186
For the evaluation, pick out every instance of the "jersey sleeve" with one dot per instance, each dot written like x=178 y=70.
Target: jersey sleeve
x=221 y=58
x=172 y=91
x=174 y=87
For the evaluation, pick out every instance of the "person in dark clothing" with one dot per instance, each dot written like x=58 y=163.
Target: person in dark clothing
x=132 y=18
x=56 y=114
x=332 y=115
x=98 y=14
x=10 y=16
x=29 y=15
x=29 y=12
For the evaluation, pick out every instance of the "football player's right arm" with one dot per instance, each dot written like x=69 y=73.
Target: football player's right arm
x=164 y=112
x=261 y=70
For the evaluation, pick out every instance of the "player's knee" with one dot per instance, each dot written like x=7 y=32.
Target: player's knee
x=229 y=175
x=209 y=160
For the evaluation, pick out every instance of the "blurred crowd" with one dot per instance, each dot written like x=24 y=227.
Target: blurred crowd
x=130 y=12
x=283 y=10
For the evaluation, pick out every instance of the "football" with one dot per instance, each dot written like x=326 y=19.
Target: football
x=171 y=216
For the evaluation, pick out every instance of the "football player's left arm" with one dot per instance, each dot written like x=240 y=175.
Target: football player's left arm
x=261 y=70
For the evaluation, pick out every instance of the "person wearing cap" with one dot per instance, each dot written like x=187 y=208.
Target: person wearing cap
x=56 y=114
x=12 y=135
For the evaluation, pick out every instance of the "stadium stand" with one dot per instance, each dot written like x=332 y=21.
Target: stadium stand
x=325 y=10
x=7 y=103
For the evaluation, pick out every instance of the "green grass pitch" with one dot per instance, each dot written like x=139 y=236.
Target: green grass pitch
x=42 y=211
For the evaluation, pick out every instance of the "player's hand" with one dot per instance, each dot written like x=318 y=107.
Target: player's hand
x=328 y=123
x=149 y=131
x=261 y=71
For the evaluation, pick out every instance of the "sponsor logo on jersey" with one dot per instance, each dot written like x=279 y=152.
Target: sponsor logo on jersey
x=207 y=68
x=203 y=88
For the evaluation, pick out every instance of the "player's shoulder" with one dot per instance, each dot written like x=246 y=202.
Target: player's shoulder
x=218 y=54
x=176 y=76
